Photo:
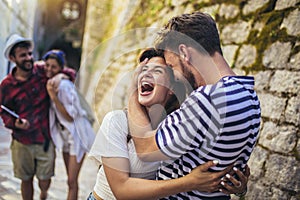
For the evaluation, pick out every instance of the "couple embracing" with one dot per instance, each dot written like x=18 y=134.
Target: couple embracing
x=164 y=148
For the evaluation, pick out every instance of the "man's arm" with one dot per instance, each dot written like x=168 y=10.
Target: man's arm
x=70 y=73
x=10 y=121
x=67 y=72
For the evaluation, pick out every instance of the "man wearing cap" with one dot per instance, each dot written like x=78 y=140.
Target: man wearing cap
x=24 y=92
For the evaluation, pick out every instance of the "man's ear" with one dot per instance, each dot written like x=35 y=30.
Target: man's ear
x=11 y=58
x=184 y=52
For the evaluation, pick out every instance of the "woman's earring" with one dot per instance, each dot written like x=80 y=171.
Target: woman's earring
x=182 y=56
x=186 y=58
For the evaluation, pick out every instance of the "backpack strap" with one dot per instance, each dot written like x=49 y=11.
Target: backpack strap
x=128 y=135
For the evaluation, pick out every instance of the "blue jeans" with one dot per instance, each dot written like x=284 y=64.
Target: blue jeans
x=91 y=197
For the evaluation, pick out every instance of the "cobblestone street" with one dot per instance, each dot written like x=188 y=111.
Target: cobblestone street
x=10 y=186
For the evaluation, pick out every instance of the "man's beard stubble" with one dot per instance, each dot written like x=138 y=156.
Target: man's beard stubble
x=188 y=75
x=23 y=67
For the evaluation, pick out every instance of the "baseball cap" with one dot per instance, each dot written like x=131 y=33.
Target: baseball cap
x=12 y=41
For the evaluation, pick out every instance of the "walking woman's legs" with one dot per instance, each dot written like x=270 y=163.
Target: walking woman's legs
x=73 y=173
x=66 y=157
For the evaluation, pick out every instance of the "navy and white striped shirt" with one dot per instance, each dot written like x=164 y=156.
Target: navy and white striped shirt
x=219 y=121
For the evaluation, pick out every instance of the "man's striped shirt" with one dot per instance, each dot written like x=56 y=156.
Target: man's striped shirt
x=216 y=122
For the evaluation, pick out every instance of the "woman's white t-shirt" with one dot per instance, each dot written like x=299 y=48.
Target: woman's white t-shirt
x=111 y=141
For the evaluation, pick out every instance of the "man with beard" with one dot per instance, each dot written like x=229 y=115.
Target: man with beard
x=24 y=92
x=219 y=120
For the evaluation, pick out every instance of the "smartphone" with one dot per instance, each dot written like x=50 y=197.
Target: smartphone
x=9 y=111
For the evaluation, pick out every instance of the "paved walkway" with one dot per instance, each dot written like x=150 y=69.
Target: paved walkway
x=10 y=186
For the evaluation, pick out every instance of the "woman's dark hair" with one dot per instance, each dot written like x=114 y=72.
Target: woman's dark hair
x=150 y=53
x=56 y=54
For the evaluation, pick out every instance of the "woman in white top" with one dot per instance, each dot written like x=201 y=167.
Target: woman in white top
x=122 y=174
x=70 y=129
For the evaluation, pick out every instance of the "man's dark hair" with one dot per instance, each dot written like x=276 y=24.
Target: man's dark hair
x=24 y=44
x=197 y=30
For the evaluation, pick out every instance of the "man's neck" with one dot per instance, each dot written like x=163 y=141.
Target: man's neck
x=211 y=69
x=22 y=75
x=223 y=67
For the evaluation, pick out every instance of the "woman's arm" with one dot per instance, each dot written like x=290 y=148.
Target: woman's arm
x=60 y=107
x=125 y=187
x=234 y=186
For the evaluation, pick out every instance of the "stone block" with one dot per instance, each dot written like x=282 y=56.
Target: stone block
x=279 y=194
x=253 y=5
x=177 y=2
x=261 y=191
x=259 y=26
x=262 y=80
x=283 y=172
x=236 y=32
x=292 y=23
x=283 y=4
x=258 y=190
x=189 y=8
x=281 y=139
x=229 y=11
x=256 y=163
x=295 y=197
x=246 y=56
x=292 y=112
x=294 y=62
x=276 y=56
x=229 y=52
x=211 y=10
x=271 y=106
x=298 y=147
x=285 y=81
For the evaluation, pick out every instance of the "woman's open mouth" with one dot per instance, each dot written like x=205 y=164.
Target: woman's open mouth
x=146 y=88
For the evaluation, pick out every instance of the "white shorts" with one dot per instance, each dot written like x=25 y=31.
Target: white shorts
x=68 y=141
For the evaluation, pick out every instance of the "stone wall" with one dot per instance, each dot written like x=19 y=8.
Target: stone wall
x=259 y=38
